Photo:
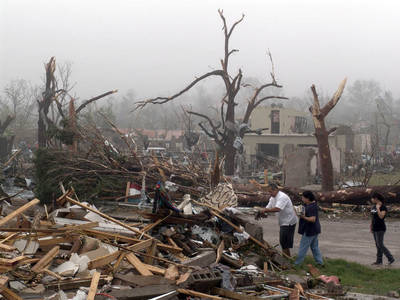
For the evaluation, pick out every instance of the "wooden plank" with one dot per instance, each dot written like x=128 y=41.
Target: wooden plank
x=118 y=262
x=70 y=284
x=9 y=294
x=3 y=282
x=220 y=250
x=93 y=286
x=139 y=266
x=54 y=241
x=121 y=238
x=9 y=237
x=6 y=248
x=19 y=211
x=106 y=259
x=45 y=260
x=198 y=294
x=80 y=226
x=128 y=188
x=233 y=295
x=51 y=273
x=9 y=262
x=103 y=260
x=107 y=217
x=139 y=280
x=151 y=226
x=151 y=251
x=155 y=270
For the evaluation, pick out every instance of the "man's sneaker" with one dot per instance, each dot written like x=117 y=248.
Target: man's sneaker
x=376 y=263
x=391 y=261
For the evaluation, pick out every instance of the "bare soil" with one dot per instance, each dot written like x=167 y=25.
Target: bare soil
x=348 y=238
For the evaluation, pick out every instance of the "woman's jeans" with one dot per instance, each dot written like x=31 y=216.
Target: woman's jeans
x=309 y=242
x=380 y=247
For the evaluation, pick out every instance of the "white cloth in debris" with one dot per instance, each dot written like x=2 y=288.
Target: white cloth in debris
x=287 y=215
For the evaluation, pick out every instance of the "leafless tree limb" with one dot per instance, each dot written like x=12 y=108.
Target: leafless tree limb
x=162 y=100
x=84 y=104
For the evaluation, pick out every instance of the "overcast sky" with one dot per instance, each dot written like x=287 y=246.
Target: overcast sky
x=157 y=46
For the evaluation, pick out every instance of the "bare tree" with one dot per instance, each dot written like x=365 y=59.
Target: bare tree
x=19 y=100
x=224 y=132
x=322 y=133
x=52 y=95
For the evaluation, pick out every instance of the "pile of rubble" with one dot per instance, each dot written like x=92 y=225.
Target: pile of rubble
x=79 y=252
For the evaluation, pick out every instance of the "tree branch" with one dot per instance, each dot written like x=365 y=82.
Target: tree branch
x=162 y=100
x=331 y=130
x=331 y=104
x=315 y=108
x=84 y=104
x=269 y=97
x=6 y=123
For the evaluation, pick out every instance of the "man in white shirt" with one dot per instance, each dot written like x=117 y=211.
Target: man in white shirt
x=281 y=203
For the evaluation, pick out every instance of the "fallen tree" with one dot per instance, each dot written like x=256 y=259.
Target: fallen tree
x=251 y=195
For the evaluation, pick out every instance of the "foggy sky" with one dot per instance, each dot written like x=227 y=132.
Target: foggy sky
x=157 y=47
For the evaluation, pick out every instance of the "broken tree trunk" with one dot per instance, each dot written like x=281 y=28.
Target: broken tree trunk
x=321 y=133
x=355 y=195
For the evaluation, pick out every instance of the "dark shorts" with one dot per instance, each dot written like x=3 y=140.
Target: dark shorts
x=286 y=235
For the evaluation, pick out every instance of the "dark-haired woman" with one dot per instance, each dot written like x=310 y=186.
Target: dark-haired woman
x=378 y=228
x=309 y=228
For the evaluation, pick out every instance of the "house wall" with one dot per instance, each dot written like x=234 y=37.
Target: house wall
x=251 y=141
x=261 y=118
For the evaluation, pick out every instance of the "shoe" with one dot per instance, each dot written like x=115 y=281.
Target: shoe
x=391 y=261
x=376 y=263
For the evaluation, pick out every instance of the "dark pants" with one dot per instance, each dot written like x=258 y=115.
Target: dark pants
x=286 y=235
x=380 y=247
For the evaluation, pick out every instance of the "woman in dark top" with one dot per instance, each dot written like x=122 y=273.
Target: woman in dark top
x=378 y=228
x=309 y=228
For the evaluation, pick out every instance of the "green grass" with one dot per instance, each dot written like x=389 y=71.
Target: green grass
x=384 y=179
x=359 y=278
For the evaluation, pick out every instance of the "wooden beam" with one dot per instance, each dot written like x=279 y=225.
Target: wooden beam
x=18 y=211
x=93 y=286
x=103 y=260
x=3 y=281
x=139 y=266
x=155 y=270
x=126 y=239
x=198 y=294
x=70 y=284
x=6 y=248
x=54 y=241
x=106 y=259
x=127 y=191
x=151 y=251
x=45 y=260
x=9 y=294
x=232 y=295
x=11 y=261
x=51 y=273
x=107 y=217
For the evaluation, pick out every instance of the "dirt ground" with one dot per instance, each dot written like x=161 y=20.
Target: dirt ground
x=347 y=238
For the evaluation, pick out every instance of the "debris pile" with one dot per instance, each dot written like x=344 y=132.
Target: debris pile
x=77 y=251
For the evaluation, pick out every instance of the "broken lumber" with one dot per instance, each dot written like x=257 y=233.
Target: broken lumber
x=9 y=294
x=19 y=211
x=138 y=265
x=45 y=260
x=198 y=294
x=107 y=217
x=233 y=295
x=93 y=286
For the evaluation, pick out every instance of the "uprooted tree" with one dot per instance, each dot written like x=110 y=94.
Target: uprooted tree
x=226 y=131
x=322 y=133
x=48 y=128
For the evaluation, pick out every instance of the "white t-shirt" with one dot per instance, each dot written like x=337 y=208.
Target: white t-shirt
x=287 y=215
